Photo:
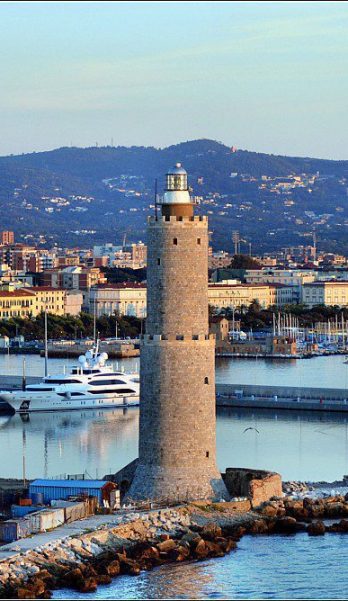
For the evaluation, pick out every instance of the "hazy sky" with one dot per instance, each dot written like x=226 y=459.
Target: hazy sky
x=270 y=77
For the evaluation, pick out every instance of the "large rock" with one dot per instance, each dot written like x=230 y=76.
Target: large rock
x=342 y=526
x=211 y=531
x=103 y=579
x=74 y=578
x=269 y=510
x=113 y=568
x=316 y=528
x=166 y=546
x=259 y=527
x=191 y=538
x=89 y=585
x=334 y=509
x=201 y=549
x=130 y=567
x=286 y=525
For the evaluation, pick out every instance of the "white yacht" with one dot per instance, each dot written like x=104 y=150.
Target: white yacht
x=90 y=385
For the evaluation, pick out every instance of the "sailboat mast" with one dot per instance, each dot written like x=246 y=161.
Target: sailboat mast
x=46 y=346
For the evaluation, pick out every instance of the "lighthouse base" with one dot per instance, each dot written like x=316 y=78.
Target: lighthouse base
x=176 y=485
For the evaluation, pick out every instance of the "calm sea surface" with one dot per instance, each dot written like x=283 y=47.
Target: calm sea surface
x=303 y=446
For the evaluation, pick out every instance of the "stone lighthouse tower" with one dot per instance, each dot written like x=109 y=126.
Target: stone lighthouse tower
x=177 y=458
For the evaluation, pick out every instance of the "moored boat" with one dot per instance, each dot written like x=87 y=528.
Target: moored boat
x=92 y=384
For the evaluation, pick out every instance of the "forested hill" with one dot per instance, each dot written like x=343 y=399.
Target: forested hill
x=86 y=195
x=201 y=157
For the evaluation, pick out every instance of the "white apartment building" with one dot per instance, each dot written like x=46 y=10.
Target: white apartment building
x=125 y=298
x=295 y=278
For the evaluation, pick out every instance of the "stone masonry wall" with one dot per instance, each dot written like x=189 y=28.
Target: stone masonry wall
x=258 y=485
x=177 y=286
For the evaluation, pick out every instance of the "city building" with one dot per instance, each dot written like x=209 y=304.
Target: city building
x=74 y=278
x=30 y=301
x=126 y=298
x=225 y=295
x=219 y=260
x=17 y=303
x=132 y=256
x=6 y=237
x=295 y=278
x=177 y=446
x=73 y=302
x=325 y=293
x=49 y=299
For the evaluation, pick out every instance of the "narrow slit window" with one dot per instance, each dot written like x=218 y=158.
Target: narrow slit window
x=175 y=241
x=198 y=240
x=207 y=453
x=206 y=380
x=158 y=261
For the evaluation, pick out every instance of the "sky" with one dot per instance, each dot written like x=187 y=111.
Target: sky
x=264 y=76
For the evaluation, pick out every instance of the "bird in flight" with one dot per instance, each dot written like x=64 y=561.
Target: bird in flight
x=250 y=428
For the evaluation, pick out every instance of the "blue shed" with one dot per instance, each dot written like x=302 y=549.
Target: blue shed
x=62 y=489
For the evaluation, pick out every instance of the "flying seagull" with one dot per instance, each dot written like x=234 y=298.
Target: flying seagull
x=250 y=428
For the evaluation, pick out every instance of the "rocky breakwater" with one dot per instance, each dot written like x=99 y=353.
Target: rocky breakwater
x=311 y=515
x=140 y=542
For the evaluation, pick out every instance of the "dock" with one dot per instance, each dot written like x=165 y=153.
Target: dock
x=282 y=397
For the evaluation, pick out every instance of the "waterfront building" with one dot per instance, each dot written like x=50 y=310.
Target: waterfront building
x=47 y=298
x=177 y=436
x=125 y=298
x=17 y=303
x=129 y=298
x=223 y=296
x=295 y=278
x=31 y=301
x=325 y=293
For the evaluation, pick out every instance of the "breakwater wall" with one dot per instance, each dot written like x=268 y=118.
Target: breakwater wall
x=282 y=397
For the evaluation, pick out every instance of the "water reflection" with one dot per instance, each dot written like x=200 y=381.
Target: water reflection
x=299 y=445
x=95 y=442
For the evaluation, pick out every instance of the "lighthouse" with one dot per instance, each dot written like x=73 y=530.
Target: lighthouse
x=177 y=446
